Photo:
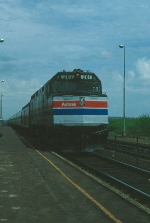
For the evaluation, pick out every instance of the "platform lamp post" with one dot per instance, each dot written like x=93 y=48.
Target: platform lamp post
x=1 y=99
x=1 y=40
x=124 y=115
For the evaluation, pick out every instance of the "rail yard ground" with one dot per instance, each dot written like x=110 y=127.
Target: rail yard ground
x=37 y=186
x=142 y=163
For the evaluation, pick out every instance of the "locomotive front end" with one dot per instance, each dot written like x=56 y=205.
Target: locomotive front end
x=80 y=109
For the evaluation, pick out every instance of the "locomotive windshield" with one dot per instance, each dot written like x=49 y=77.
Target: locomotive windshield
x=58 y=87
x=73 y=83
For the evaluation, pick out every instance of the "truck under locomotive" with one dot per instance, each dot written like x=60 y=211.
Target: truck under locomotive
x=71 y=107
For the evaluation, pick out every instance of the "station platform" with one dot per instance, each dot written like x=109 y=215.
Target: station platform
x=38 y=187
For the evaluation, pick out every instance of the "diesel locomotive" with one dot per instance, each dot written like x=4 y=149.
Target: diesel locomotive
x=70 y=107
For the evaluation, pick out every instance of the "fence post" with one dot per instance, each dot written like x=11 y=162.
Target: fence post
x=137 y=146
x=115 y=145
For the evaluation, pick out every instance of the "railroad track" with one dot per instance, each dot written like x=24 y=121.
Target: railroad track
x=133 y=149
x=132 y=180
x=131 y=153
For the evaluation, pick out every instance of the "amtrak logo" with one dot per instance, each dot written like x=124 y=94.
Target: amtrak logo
x=69 y=104
x=82 y=101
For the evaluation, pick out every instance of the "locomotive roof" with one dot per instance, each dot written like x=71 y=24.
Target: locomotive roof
x=86 y=74
x=70 y=75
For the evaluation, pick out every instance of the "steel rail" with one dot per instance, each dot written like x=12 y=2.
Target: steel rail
x=135 y=192
x=136 y=150
x=124 y=165
x=140 y=194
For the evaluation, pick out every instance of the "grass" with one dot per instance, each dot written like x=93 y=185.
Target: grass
x=137 y=127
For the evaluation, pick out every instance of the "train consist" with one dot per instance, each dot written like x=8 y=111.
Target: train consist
x=71 y=108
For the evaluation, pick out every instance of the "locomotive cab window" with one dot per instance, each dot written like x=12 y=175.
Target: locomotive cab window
x=63 y=86
x=70 y=86
x=89 y=86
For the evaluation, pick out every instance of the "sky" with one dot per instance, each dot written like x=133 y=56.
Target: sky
x=44 y=37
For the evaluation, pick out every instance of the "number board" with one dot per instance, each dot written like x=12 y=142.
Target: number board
x=76 y=76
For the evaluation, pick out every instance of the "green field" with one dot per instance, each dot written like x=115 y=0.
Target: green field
x=136 y=127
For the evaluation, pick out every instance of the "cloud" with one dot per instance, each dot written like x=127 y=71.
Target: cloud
x=44 y=37
x=143 y=68
x=21 y=87
x=114 y=84
x=131 y=74
x=130 y=77
x=106 y=54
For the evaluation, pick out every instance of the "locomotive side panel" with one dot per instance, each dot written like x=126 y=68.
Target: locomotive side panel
x=41 y=108
x=15 y=120
x=25 y=116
